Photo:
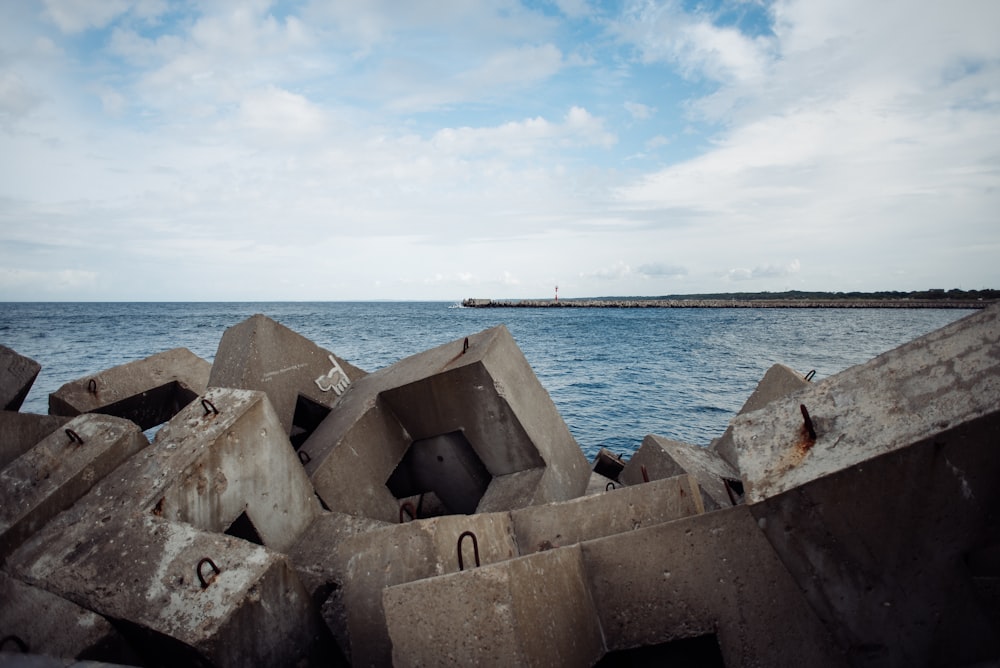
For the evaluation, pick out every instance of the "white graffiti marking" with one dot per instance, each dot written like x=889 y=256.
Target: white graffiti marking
x=335 y=379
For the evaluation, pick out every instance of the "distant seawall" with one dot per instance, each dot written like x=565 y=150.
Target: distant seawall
x=727 y=303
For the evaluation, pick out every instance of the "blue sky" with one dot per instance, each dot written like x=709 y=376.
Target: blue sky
x=254 y=150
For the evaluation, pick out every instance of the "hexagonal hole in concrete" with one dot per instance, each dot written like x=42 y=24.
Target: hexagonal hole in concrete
x=447 y=466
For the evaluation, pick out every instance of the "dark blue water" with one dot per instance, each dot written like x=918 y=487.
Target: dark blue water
x=615 y=375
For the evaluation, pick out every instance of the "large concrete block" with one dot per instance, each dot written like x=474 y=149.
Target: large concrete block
x=19 y=432
x=711 y=574
x=407 y=552
x=531 y=611
x=877 y=491
x=17 y=373
x=301 y=379
x=60 y=469
x=148 y=391
x=454 y=411
x=778 y=382
x=225 y=457
x=246 y=607
x=53 y=626
x=613 y=512
x=662 y=458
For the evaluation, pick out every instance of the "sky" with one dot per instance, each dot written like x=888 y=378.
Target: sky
x=170 y=150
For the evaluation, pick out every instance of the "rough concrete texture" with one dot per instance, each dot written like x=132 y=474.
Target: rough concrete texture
x=150 y=572
x=17 y=373
x=778 y=382
x=53 y=626
x=613 y=512
x=663 y=458
x=481 y=387
x=148 y=391
x=884 y=548
x=937 y=382
x=60 y=469
x=407 y=552
x=261 y=354
x=711 y=573
x=531 y=611
x=19 y=432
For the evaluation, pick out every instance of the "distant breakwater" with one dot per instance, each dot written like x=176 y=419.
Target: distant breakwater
x=726 y=303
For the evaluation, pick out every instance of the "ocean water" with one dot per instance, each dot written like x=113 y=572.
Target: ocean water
x=615 y=375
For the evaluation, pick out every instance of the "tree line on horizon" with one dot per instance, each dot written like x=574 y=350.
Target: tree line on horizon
x=951 y=295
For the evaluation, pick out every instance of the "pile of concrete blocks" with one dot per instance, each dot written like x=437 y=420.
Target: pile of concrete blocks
x=293 y=509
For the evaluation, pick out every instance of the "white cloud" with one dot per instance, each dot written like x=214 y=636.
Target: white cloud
x=765 y=271
x=639 y=111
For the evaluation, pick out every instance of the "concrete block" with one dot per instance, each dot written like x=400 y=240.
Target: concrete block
x=17 y=373
x=245 y=608
x=482 y=395
x=875 y=503
x=608 y=464
x=323 y=572
x=148 y=391
x=936 y=382
x=302 y=380
x=60 y=469
x=19 y=432
x=404 y=553
x=711 y=574
x=531 y=611
x=778 y=382
x=227 y=456
x=663 y=458
x=53 y=626
x=613 y=512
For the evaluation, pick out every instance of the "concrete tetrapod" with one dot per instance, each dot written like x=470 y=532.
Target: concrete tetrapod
x=148 y=392
x=878 y=484
x=302 y=380
x=19 y=432
x=659 y=457
x=475 y=405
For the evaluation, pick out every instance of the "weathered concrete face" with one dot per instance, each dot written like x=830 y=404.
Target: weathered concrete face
x=485 y=392
x=662 y=458
x=530 y=611
x=405 y=553
x=148 y=391
x=937 y=382
x=17 y=374
x=227 y=456
x=302 y=380
x=613 y=512
x=877 y=510
x=151 y=572
x=778 y=382
x=706 y=574
x=53 y=626
x=19 y=432
x=60 y=469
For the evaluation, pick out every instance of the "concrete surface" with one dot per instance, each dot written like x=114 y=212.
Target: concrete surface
x=148 y=391
x=778 y=382
x=262 y=354
x=663 y=458
x=17 y=374
x=57 y=471
x=19 y=432
x=485 y=391
x=531 y=611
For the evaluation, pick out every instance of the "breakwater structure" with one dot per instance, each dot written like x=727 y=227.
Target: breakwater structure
x=725 y=303
x=294 y=509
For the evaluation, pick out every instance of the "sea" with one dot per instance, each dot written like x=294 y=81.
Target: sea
x=614 y=374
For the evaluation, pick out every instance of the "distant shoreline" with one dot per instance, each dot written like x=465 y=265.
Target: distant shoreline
x=729 y=303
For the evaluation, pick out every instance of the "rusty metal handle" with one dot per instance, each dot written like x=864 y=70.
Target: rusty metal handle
x=201 y=577
x=73 y=436
x=610 y=486
x=21 y=645
x=475 y=548
x=304 y=457
x=809 y=376
x=645 y=473
x=209 y=407
x=92 y=386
